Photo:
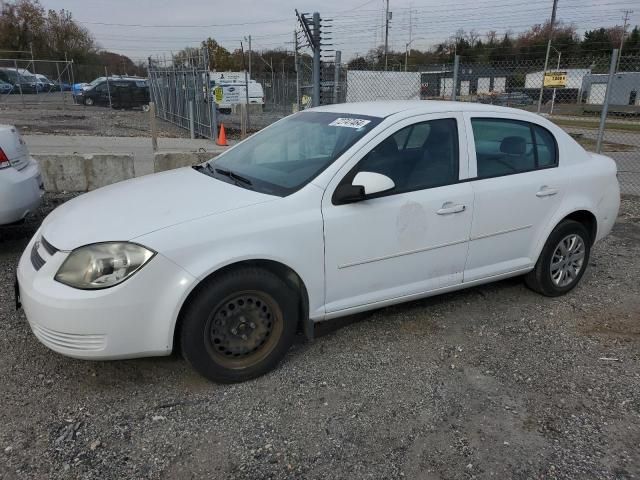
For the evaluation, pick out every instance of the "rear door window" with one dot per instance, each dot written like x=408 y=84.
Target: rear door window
x=505 y=147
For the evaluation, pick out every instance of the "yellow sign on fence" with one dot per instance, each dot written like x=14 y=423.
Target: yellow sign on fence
x=555 y=79
x=218 y=94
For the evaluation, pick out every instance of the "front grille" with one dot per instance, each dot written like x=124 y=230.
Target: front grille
x=48 y=247
x=36 y=259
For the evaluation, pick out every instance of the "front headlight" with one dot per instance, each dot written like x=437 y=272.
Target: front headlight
x=102 y=265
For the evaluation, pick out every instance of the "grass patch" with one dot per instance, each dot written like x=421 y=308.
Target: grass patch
x=590 y=144
x=570 y=122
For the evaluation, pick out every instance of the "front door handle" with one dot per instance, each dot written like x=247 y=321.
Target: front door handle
x=546 y=191
x=449 y=208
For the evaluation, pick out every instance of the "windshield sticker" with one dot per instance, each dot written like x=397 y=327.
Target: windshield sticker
x=349 y=122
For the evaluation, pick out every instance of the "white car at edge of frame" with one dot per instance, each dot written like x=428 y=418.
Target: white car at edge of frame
x=328 y=212
x=21 y=187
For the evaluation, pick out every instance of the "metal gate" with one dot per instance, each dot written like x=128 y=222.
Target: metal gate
x=180 y=89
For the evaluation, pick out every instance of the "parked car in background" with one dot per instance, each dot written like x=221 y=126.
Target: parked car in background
x=62 y=86
x=512 y=99
x=119 y=92
x=22 y=83
x=329 y=212
x=5 y=87
x=44 y=84
x=21 y=185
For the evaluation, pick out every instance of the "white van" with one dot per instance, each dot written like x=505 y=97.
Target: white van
x=230 y=88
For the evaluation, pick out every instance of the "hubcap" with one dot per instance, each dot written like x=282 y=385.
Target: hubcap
x=243 y=329
x=567 y=260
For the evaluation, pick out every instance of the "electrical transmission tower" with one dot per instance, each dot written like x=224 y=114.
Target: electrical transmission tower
x=313 y=34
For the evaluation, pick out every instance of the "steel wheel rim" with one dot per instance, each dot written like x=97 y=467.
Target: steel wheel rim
x=243 y=329
x=567 y=260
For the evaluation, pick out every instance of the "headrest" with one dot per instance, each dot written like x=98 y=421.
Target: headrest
x=513 y=146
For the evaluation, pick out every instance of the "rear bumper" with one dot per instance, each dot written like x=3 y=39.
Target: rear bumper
x=20 y=192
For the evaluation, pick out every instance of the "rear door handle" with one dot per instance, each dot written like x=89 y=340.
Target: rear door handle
x=546 y=191
x=449 y=207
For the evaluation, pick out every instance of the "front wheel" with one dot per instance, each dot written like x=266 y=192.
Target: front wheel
x=563 y=260
x=239 y=325
x=145 y=107
x=88 y=101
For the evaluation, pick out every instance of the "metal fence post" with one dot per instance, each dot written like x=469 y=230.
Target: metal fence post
x=15 y=64
x=605 y=104
x=214 y=119
x=336 y=75
x=192 y=126
x=108 y=89
x=456 y=64
x=152 y=123
x=59 y=80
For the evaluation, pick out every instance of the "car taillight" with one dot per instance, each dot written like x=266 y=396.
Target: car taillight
x=4 y=160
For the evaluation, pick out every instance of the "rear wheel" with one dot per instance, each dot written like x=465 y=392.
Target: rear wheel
x=239 y=325
x=563 y=260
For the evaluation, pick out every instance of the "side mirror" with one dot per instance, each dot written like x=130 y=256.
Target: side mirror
x=363 y=184
x=373 y=182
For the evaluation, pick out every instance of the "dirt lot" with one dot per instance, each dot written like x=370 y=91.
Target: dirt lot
x=69 y=119
x=492 y=382
x=83 y=120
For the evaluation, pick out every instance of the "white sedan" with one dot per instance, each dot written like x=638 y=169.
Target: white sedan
x=21 y=187
x=328 y=212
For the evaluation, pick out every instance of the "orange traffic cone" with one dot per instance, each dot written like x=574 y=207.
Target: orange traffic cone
x=222 y=137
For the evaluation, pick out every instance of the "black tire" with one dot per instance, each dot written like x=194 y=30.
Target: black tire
x=88 y=101
x=540 y=279
x=239 y=325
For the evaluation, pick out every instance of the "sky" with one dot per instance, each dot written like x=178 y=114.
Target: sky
x=139 y=28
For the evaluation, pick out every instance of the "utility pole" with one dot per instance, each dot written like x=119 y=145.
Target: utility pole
x=546 y=58
x=297 y=69
x=311 y=30
x=249 y=41
x=406 y=48
x=624 y=31
x=316 y=60
x=386 y=37
x=246 y=87
x=336 y=75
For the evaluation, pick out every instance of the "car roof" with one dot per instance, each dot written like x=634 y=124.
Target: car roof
x=386 y=108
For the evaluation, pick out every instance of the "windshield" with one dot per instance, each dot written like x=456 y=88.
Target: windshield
x=96 y=81
x=286 y=156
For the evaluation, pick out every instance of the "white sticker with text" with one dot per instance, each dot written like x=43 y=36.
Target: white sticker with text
x=349 y=122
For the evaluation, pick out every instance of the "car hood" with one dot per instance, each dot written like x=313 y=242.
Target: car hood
x=129 y=209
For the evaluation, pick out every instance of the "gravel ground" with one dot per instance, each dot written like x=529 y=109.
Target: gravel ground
x=83 y=120
x=492 y=382
x=52 y=118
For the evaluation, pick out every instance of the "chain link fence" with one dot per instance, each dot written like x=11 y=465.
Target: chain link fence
x=182 y=94
x=572 y=93
x=35 y=83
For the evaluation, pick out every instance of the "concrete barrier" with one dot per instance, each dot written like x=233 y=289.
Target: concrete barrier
x=167 y=161
x=80 y=173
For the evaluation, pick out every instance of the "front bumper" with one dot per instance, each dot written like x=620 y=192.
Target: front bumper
x=133 y=319
x=20 y=192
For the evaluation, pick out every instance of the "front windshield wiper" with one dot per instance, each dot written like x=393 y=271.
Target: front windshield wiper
x=230 y=174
